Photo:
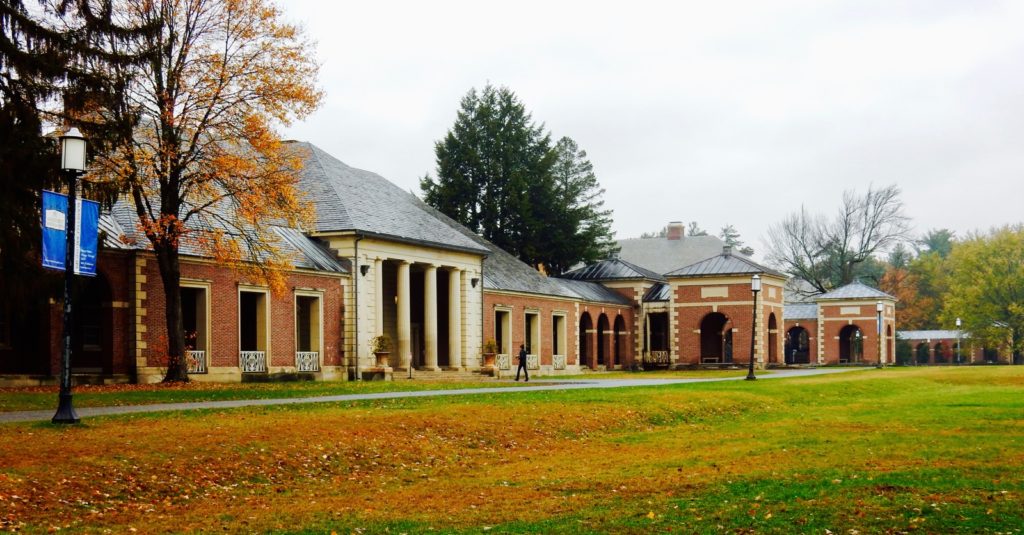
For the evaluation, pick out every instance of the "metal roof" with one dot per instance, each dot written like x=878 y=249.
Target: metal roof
x=301 y=250
x=658 y=292
x=854 y=290
x=349 y=199
x=726 y=263
x=930 y=335
x=590 y=291
x=612 y=269
x=800 y=311
x=662 y=255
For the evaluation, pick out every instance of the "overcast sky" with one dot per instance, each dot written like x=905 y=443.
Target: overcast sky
x=715 y=112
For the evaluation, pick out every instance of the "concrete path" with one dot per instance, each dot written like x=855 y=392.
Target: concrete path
x=532 y=386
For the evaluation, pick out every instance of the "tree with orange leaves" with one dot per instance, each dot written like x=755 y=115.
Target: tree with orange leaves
x=196 y=149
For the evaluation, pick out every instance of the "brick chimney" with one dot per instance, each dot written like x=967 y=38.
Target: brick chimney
x=675 y=230
x=727 y=250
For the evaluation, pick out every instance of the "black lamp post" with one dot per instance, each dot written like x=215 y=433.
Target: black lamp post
x=755 y=286
x=958 y=358
x=879 y=308
x=72 y=163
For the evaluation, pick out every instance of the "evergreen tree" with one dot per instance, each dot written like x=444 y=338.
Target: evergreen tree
x=581 y=228
x=731 y=237
x=694 y=230
x=498 y=174
x=48 y=57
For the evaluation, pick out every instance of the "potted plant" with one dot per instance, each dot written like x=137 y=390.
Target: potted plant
x=490 y=350
x=381 y=347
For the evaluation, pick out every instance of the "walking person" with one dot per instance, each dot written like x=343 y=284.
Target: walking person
x=522 y=363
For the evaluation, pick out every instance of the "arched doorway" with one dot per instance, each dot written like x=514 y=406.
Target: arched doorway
x=942 y=353
x=921 y=353
x=798 y=346
x=715 y=339
x=602 y=339
x=619 y=342
x=773 y=339
x=586 y=326
x=93 y=327
x=851 y=345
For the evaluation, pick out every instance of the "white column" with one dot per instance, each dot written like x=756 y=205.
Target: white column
x=455 y=319
x=404 y=327
x=430 y=315
x=378 y=296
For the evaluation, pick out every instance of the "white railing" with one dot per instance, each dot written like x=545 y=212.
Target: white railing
x=657 y=357
x=252 y=361
x=532 y=362
x=504 y=362
x=196 y=361
x=558 y=362
x=307 y=361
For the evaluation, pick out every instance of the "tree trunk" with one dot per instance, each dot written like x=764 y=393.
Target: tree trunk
x=170 y=274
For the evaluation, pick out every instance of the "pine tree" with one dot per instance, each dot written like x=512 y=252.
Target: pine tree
x=496 y=174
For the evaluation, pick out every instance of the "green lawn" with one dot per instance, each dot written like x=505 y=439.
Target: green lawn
x=926 y=450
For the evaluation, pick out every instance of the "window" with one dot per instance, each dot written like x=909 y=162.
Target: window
x=252 y=330
x=532 y=332
x=503 y=331
x=308 y=330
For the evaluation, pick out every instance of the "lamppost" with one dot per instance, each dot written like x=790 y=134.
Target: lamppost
x=72 y=163
x=958 y=358
x=879 y=307
x=755 y=286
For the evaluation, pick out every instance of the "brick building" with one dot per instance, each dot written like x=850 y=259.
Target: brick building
x=853 y=324
x=378 y=262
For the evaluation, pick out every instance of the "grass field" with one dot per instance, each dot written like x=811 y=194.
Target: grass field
x=928 y=450
x=33 y=398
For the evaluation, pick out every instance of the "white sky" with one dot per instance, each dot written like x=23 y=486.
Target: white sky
x=718 y=112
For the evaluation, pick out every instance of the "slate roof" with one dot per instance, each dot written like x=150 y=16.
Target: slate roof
x=662 y=255
x=658 y=292
x=612 y=269
x=726 y=263
x=854 y=290
x=350 y=199
x=800 y=311
x=929 y=335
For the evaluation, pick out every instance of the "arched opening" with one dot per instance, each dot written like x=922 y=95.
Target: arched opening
x=991 y=354
x=715 y=338
x=798 y=346
x=602 y=339
x=942 y=353
x=586 y=327
x=921 y=353
x=619 y=340
x=773 y=339
x=851 y=345
x=93 y=327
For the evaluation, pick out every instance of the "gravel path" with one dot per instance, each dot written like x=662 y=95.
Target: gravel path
x=532 y=386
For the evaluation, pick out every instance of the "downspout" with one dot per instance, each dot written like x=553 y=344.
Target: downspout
x=355 y=305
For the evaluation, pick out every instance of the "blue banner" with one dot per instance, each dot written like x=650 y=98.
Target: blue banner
x=87 y=223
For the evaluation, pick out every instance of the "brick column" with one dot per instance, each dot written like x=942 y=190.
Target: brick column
x=404 y=318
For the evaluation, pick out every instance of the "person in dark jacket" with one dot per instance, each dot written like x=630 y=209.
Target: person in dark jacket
x=522 y=363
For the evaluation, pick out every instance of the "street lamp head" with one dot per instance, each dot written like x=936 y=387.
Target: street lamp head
x=958 y=323
x=879 y=307
x=755 y=283
x=72 y=151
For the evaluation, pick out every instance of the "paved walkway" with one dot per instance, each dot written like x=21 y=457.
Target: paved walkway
x=533 y=386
